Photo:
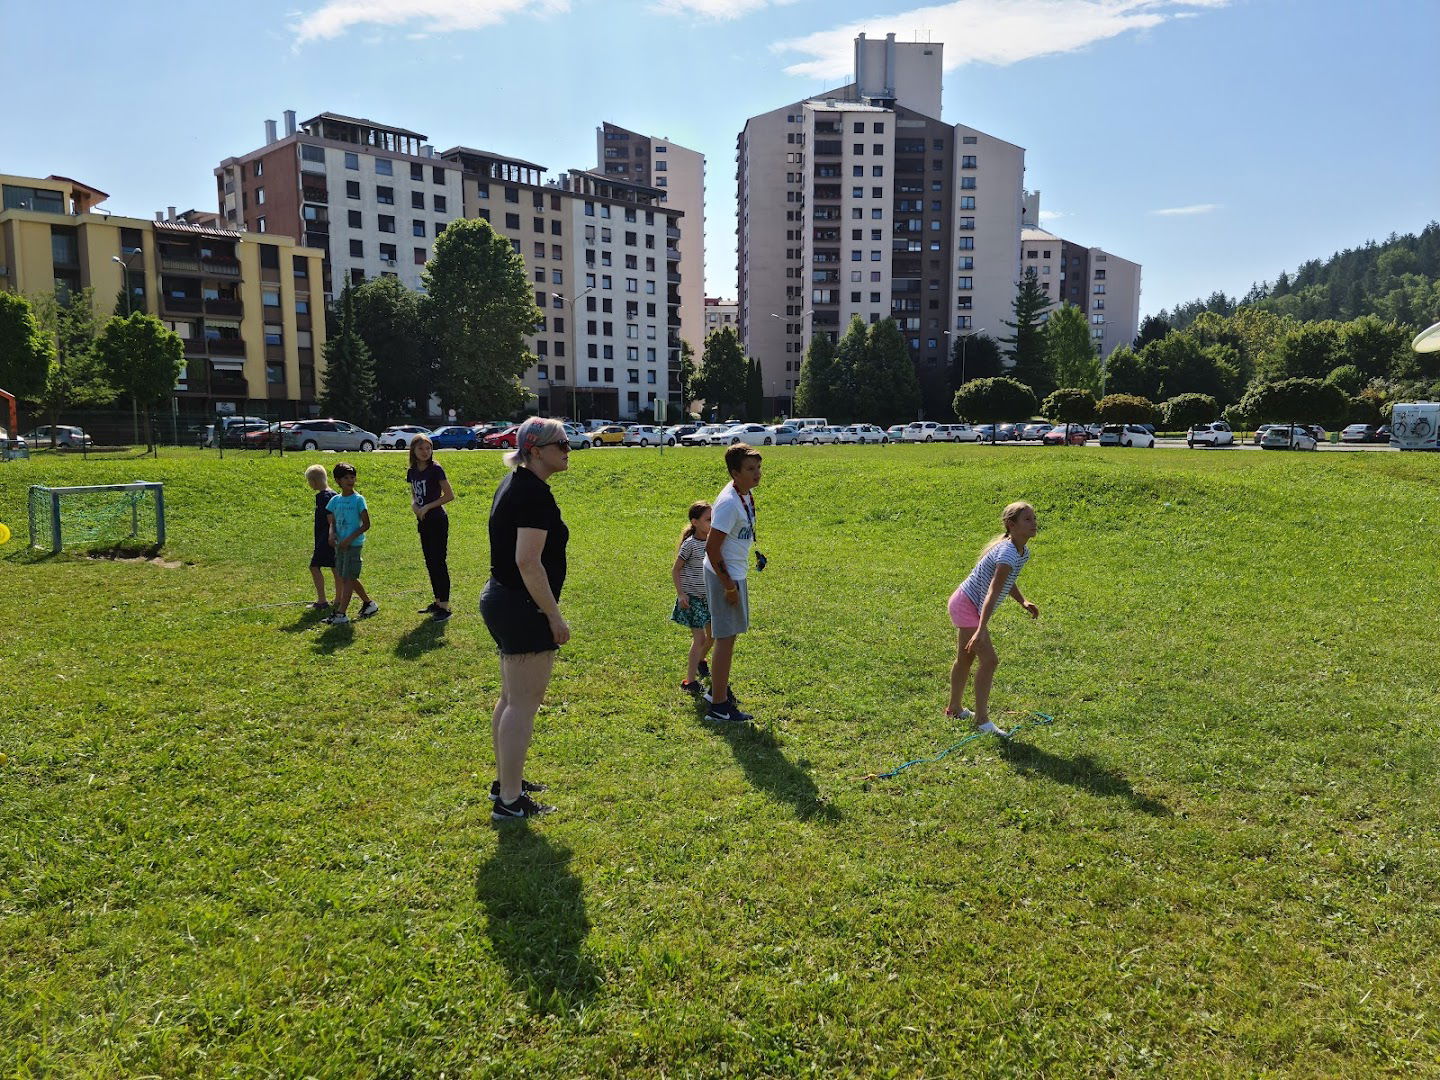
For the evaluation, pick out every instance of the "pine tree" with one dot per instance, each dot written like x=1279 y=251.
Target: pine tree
x=897 y=389
x=1026 y=344
x=848 y=369
x=812 y=395
x=754 y=391
x=348 y=390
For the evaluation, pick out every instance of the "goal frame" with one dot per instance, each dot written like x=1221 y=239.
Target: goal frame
x=55 y=494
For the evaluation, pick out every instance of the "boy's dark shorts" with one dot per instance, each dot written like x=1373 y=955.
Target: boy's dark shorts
x=347 y=562
x=515 y=621
x=323 y=556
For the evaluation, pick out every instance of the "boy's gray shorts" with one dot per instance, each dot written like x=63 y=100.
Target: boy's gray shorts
x=726 y=619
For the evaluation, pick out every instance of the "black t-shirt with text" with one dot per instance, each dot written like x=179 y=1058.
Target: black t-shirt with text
x=425 y=487
x=524 y=501
x=322 y=519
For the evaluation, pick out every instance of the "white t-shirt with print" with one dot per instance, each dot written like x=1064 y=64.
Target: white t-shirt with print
x=1003 y=557
x=735 y=517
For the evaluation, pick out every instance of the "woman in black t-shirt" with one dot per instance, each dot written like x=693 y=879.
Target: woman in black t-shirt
x=429 y=492
x=521 y=604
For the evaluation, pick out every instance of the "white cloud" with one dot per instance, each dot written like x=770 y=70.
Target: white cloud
x=436 y=16
x=1052 y=215
x=1186 y=211
x=712 y=9
x=998 y=32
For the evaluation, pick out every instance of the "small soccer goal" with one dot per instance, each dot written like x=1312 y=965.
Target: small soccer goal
x=132 y=515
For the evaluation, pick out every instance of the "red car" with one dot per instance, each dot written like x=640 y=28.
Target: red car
x=1069 y=435
x=501 y=440
x=265 y=438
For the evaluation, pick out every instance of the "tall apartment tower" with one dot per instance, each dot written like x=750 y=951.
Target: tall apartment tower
x=1104 y=286
x=372 y=196
x=862 y=201
x=602 y=256
x=679 y=175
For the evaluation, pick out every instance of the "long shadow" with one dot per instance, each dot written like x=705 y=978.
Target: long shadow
x=335 y=638
x=758 y=753
x=535 y=916
x=426 y=637
x=308 y=620
x=1082 y=772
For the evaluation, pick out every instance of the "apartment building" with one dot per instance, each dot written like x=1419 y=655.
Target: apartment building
x=248 y=307
x=603 y=259
x=718 y=315
x=373 y=197
x=862 y=201
x=679 y=174
x=1104 y=286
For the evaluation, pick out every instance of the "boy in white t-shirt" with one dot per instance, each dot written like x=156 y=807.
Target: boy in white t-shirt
x=727 y=556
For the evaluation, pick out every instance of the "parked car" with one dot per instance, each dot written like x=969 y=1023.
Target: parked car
x=701 y=435
x=1126 y=435
x=1260 y=433
x=1289 y=437
x=921 y=431
x=15 y=444
x=957 y=433
x=1382 y=433
x=249 y=434
x=269 y=437
x=328 y=435
x=803 y=422
x=1066 y=435
x=679 y=431
x=454 y=437
x=647 y=435
x=398 y=436
x=815 y=436
x=578 y=436
x=1319 y=433
x=593 y=426
x=1034 y=432
x=755 y=434
x=504 y=439
x=1006 y=433
x=609 y=435
x=1216 y=434
x=785 y=434
x=895 y=432
x=869 y=433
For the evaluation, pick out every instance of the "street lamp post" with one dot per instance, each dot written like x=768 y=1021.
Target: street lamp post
x=964 y=340
x=574 y=350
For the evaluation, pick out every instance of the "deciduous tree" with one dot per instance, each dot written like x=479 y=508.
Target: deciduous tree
x=142 y=359
x=75 y=377
x=1184 y=411
x=1069 y=406
x=999 y=400
x=1069 y=354
x=389 y=319
x=25 y=351
x=1127 y=409
x=723 y=373
x=812 y=395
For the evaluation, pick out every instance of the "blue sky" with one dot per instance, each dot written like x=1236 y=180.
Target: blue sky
x=1215 y=141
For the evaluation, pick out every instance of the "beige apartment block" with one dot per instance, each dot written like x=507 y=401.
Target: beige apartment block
x=248 y=307
x=1102 y=285
x=678 y=173
x=861 y=201
x=601 y=258
x=719 y=314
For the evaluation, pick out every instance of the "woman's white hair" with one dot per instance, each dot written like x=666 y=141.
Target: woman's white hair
x=535 y=431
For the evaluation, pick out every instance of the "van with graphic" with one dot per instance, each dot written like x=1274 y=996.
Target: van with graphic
x=1415 y=425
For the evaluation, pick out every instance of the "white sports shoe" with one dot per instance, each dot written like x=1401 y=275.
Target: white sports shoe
x=963 y=714
x=372 y=608
x=989 y=728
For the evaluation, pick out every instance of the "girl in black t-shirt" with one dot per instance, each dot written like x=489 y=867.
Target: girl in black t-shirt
x=521 y=604
x=429 y=492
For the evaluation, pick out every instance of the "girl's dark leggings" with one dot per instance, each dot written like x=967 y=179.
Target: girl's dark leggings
x=435 y=542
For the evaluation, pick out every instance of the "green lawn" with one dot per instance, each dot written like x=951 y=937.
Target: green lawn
x=236 y=845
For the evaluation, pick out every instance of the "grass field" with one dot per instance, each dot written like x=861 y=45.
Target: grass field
x=237 y=845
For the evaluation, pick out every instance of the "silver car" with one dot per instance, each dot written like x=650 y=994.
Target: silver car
x=329 y=435
x=62 y=435
x=785 y=434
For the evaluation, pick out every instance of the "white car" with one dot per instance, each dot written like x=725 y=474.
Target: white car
x=956 y=433
x=579 y=437
x=1217 y=434
x=647 y=435
x=1034 y=432
x=1126 y=435
x=754 y=434
x=328 y=435
x=847 y=434
x=922 y=431
x=62 y=435
x=817 y=435
x=1288 y=437
x=400 y=435
x=785 y=434
x=868 y=433
x=701 y=435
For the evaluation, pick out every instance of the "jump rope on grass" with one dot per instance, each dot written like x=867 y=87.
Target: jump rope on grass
x=1037 y=719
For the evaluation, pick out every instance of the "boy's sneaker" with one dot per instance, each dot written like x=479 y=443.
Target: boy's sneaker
x=692 y=687
x=338 y=619
x=704 y=670
x=963 y=714
x=989 y=728
x=709 y=700
x=440 y=614
x=372 y=608
x=521 y=809
x=427 y=609
x=318 y=605
x=527 y=787
x=727 y=712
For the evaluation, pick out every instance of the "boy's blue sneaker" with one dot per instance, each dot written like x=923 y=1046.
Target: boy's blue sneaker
x=727 y=712
x=709 y=700
x=527 y=787
x=521 y=809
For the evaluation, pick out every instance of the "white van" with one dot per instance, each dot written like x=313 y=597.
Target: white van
x=803 y=422
x=1415 y=425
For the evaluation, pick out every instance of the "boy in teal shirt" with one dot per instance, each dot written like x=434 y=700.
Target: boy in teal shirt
x=349 y=522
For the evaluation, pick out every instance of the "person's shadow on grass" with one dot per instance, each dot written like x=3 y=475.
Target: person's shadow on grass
x=429 y=635
x=758 y=753
x=1081 y=771
x=308 y=620
x=535 y=916
x=334 y=638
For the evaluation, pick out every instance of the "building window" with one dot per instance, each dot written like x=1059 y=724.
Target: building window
x=387 y=252
x=440 y=204
x=352 y=189
x=260 y=224
x=417 y=200
x=355 y=218
x=512 y=221
x=877 y=170
x=387 y=223
x=419 y=256
x=384 y=167
x=417 y=227
x=312 y=153
x=967 y=161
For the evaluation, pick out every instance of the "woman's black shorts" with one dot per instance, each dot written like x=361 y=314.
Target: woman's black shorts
x=515 y=621
x=323 y=556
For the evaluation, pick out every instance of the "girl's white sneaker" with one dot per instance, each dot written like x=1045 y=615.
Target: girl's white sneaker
x=963 y=714
x=989 y=728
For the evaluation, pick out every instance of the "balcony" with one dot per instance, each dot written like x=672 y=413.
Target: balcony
x=672 y=232
x=672 y=277
x=672 y=255
x=214 y=266
x=234 y=308
x=182 y=305
x=226 y=346
x=318 y=195
x=828 y=148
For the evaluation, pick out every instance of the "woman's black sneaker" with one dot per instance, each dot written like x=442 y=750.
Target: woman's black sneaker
x=527 y=787
x=727 y=712
x=704 y=670
x=520 y=810
x=693 y=688
x=427 y=609
x=440 y=614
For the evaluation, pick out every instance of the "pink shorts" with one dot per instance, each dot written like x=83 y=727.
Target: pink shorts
x=963 y=612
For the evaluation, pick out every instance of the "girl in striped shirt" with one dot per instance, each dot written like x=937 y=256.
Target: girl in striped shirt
x=691 y=607
x=975 y=601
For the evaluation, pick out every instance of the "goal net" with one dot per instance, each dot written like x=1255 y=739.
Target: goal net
x=100 y=515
